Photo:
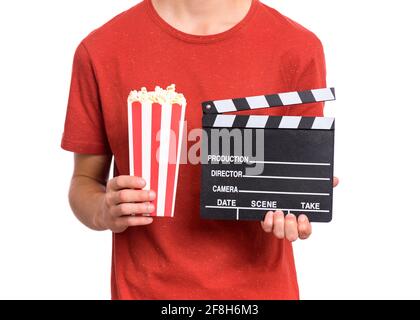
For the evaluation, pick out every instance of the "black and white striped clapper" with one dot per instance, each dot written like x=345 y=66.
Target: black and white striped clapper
x=252 y=164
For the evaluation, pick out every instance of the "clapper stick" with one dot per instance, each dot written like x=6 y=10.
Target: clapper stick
x=268 y=122
x=270 y=100
x=298 y=159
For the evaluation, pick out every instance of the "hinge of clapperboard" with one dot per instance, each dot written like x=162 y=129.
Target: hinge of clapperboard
x=213 y=110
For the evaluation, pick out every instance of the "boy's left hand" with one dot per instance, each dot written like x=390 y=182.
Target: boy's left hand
x=289 y=227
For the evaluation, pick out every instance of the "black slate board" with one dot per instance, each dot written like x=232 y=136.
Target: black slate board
x=297 y=160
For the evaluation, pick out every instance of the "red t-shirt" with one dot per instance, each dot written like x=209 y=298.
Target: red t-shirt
x=186 y=257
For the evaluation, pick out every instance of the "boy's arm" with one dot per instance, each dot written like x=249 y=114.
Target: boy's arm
x=107 y=205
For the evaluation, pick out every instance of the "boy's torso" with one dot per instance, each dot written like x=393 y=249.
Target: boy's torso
x=185 y=257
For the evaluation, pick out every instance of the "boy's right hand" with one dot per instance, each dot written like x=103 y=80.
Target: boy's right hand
x=125 y=204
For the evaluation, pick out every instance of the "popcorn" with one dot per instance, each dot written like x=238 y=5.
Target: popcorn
x=155 y=121
x=160 y=95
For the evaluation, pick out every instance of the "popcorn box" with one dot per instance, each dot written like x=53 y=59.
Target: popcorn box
x=155 y=123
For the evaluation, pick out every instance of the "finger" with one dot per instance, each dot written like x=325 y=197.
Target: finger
x=290 y=228
x=278 y=228
x=126 y=182
x=125 y=222
x=128 y=209
x=304 y=227
x=267 y=224
x=130 y=195
x=336 y=181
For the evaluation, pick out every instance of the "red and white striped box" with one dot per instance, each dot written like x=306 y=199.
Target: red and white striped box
x=155 y=123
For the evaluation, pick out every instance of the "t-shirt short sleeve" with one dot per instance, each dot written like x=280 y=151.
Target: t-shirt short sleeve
x=312 y=75
x=84 y=130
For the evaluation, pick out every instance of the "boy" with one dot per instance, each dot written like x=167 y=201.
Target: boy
x=210 y=49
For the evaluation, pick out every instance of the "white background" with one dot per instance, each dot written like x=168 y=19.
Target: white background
x=371 y=250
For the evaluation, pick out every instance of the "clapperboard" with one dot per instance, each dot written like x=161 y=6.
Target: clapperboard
x=255 y=164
